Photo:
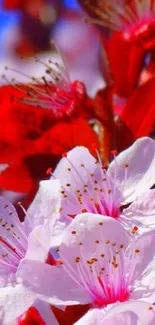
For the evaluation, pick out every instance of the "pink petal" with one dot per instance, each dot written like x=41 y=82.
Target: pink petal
x=51 y=283
x=141 y=212
x=139 y=175
x=46 y=204
x=73 y=175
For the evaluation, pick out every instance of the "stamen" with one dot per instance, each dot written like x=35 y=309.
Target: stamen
x=121 y=16
x=57 y=93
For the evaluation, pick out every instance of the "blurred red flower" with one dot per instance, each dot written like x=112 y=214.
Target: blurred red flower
x=33 y=138
x=128 y=38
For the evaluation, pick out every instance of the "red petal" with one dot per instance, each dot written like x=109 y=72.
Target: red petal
x=103 y=102
x=16 y=178
x=70 y=315
x=139 y=112
x=31 y=317
x=126 y=60
x=64 y=136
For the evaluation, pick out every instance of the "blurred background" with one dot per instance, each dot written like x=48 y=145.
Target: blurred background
x=28 y=26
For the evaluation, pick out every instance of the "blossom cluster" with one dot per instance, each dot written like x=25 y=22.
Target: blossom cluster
x=87 y=240
x=44 y=115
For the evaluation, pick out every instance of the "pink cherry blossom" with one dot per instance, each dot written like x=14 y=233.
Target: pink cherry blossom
x=128 y=313
x=88 y=187
x=100 y=263
x=15 y=239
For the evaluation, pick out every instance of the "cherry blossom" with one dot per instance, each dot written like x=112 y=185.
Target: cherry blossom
x=100 y=264
x=88 y=186
x=15 y=239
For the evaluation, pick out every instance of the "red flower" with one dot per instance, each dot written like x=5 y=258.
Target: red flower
x=139 y=112
x=130 y=46
x=38 y=123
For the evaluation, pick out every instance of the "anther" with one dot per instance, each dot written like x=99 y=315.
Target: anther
x=77 y=259
x=137 y=250
x=84 y=210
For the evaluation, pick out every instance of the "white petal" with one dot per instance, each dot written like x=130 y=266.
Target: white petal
x=75 y=158
x=74 y=172
x=96 y=233
x=139 y=175
x=141 y=212
x=46 y=204
x=51 y=283
x=45 y=312
x=145 y=287
x=42 y=238
x=128 y=313
x=38 y=243
x=145 y=253
x=14 y=301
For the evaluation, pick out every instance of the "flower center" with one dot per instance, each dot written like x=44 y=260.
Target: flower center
x=53 y=91
x=107 y=275
x=92 y=192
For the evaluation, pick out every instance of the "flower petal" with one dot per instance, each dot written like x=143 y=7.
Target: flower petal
x=11 y=229
x=38 y=243
x=95 y=233
x=74 y=171
x=14 y=301
x=56 y=287
x=45 y=312
x=141 y=212
x=46 y=204
x=134 y=168
x=144 y=248
x=88 y=244
x=76 y=157
x=128 y=313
